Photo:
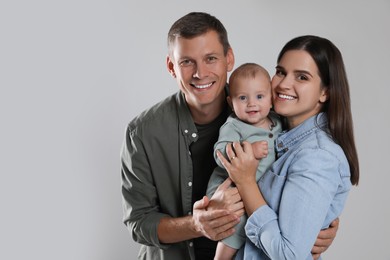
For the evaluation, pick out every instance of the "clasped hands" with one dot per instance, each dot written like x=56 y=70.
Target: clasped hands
x=215 y=218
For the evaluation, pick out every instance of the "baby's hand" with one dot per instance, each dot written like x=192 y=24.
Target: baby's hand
x=260 y=149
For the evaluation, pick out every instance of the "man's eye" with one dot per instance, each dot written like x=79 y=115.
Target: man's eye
x=185 y=63
x=211 y=58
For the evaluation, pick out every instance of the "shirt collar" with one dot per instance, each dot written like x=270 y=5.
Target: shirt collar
x=290 y=137
x=187 y=125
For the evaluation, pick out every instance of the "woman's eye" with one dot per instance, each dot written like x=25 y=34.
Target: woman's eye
x=279 y=72
x=302 y=77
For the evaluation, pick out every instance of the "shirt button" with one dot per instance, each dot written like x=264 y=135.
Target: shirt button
x=280 y=145
x=190 y=184
x=270 y=135
x=186 y=131
x=191 y=244
x=189 y=213
x=194 y=135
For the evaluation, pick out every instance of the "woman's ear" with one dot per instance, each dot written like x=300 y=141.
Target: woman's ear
x=324 y=95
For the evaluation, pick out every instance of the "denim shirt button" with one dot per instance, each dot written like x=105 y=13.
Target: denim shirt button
x=280 y=145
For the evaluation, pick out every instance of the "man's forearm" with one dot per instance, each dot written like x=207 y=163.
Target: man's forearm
x=173 y=230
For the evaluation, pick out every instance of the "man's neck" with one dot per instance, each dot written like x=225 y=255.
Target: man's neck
x=208 y=113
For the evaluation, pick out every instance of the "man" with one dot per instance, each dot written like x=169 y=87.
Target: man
x=167 y=155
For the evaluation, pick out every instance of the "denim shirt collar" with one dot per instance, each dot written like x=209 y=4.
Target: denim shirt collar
x=289 y=138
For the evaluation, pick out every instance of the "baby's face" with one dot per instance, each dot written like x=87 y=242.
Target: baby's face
x=251 y=99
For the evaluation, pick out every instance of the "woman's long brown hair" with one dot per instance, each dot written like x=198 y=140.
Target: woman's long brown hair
x=331 y=68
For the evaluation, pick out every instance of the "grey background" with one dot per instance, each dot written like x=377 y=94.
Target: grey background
x=73 y=73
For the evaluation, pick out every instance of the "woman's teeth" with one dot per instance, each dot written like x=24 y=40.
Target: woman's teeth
x=286 y=97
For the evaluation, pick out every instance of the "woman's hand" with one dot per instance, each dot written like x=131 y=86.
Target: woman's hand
x=242 y=169
x=242 y=164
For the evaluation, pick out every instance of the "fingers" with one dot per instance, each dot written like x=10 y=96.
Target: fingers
x=225 y=185
x=323 y=243
x=335 y=224
x=330 y=233
x=223 y=160
x=238 y=209
x=230 y=152
x=221 y=227
x=318 y=250
x=202 y=203
x=235 y=149
x=246 y=146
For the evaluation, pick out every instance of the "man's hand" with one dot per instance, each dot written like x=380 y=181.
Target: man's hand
x=227 y=197
x=214 y=224
x=325 y=239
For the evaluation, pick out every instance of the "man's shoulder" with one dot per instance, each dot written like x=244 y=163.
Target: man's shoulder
x=163 y=110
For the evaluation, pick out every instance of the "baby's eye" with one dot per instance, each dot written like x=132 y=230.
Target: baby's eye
x=242 y=98
x=260 y=96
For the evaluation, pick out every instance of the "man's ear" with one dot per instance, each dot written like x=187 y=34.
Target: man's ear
x=170 y=67
x=230 y=59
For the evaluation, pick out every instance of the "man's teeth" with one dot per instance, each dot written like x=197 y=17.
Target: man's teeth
x=286 y=97
x=202 y=86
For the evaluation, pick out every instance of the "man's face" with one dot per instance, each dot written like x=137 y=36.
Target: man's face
x=200 y=68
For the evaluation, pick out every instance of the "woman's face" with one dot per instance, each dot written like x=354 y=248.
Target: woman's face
x=296 y=87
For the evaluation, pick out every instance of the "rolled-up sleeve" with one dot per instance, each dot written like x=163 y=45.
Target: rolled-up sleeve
x=139 y=196
x=289 y=230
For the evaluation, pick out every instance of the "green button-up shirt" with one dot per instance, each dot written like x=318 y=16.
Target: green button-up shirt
x=157 y=175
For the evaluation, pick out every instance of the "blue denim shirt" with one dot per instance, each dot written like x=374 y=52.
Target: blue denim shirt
x=305 y=190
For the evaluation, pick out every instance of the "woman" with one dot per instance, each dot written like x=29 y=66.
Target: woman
x=306 y=188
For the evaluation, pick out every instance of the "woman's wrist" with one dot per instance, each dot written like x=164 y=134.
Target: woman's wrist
x=251 y=196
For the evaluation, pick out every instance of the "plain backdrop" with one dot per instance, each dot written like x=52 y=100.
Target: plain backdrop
x=74 y=73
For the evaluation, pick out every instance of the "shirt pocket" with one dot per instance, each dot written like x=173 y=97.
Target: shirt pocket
x=271 y=186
